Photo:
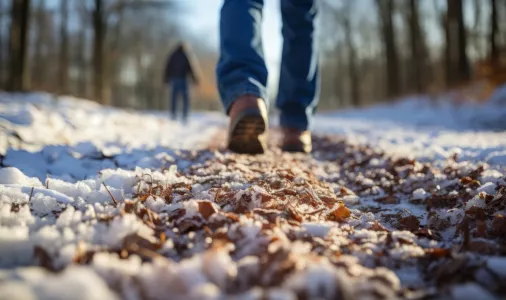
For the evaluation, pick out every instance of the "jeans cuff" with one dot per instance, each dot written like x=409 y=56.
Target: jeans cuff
x=230 y=94
x=300 y=120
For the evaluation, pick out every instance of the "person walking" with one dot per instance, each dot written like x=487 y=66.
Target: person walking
x=178 y=70
x=242 y=75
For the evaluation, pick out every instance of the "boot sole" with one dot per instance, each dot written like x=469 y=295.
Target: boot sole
x=296 y=148
x=248 y=135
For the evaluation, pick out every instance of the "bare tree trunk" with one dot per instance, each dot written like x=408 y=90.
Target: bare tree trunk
x=114 y=54
x=352 y=64
x=494 y=28
x=39 y=61
x=81 y=45
x=477 y=7
x=339 y=76
x=456 y=54
x=503 y=21
x=417 y=48
x=18 y=46
x=99 y=28
x=386 y=8
x=63 y=71
x=2 y=67
x=475 y=34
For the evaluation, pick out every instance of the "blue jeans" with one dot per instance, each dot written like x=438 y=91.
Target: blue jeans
x=180 y=89
x=241 y=68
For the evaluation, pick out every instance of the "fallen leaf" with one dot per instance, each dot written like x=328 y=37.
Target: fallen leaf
x=292 y=214
x=339 y=214
x=410 y=223
x=387 y=200
x=376 y=226
x=438 y=252
x=206 y=209
x=499 y=226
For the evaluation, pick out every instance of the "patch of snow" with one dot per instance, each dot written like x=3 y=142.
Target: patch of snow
x=420 y=194
x=351 y=199
x=43 y=205
x=488 y=188
x=477 y=201
x=87 y=147
x=497 y=265
x=470 y=291
x=15 y=176
x=317 y=229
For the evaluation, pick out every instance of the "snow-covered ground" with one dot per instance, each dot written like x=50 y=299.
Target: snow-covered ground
x=73 y=139
x=101 y=203
x=428 y=129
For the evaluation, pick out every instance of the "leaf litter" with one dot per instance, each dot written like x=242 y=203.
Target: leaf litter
x=348 y=222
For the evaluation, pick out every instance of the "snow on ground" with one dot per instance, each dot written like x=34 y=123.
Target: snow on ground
x=101 y=203
x=428 y=128
x=73 y=139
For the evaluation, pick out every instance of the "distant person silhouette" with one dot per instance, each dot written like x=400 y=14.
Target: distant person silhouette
x=179 y=68
x=242 y=75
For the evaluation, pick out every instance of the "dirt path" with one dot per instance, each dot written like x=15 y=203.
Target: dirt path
x=345 y=222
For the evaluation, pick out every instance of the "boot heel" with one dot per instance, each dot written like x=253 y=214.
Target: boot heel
x=248 y=135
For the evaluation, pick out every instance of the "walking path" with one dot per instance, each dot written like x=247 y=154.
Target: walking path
x=352 y=220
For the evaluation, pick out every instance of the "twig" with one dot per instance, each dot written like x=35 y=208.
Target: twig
x=110 y=194
x=145 y=252
x=151 y=176
x=315 y=211
x=149 y=183
x=31 y=194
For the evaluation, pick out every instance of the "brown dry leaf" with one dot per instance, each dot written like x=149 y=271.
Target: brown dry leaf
x=404 y=161
x=129 y=207
x=82 y=255
x=450 y=270
x=276 y=184
x=142 y=242
x=266 y=197
x=144 y=197
x=438 y=252
x=427 y=233
x=328 y=200
x=477 y=212
x=166 y=195
x=499 y=226
x=43 y=258
x=477 y=173
x=292 y=214
x=410 y=223
x=285 y=192
x=376 y=226
x=387 y=200
x=481 y=229
x=15 y=206
x=339 y=214
x=206 y=209
x=232 y=216
x=441 y=201
x=345 y=192
x=463 y=227
x=468 y=181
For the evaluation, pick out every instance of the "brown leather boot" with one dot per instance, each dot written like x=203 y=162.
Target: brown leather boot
x=295 y=140
x=248 y=124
